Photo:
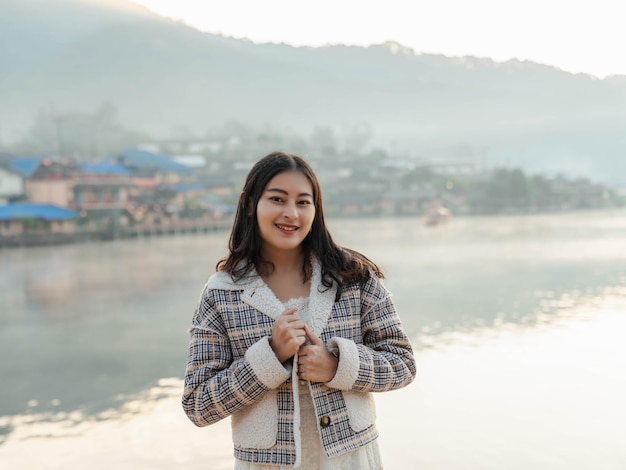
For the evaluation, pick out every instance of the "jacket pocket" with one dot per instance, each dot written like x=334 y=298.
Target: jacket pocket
x=361 y=409
x=257 y=425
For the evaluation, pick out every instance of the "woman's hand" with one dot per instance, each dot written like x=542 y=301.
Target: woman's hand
x=315 y=362
x=288 y=335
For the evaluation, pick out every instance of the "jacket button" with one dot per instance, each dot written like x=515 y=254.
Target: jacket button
x=325 y=421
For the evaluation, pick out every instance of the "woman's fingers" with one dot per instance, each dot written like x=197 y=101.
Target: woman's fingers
x=289 y=312
x=316 y=363
x=295 y=326
x=312 y=337
x=288 y=334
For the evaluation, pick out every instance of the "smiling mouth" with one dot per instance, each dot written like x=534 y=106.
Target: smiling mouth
x=287 y=228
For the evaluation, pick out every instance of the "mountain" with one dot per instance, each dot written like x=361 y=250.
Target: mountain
x=34 y=31
x=73 y=55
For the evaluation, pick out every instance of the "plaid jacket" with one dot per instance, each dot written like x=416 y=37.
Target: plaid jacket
x=232 y=371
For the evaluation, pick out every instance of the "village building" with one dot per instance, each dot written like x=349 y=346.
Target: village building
x=46 y=181
x=11 y=184
x=27 y=223
x=124 y=194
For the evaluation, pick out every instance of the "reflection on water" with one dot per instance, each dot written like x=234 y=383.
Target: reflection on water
x=547 y=308
x=76 y=423
x=548 y=397
x=86 y=323
x=148 y=432
x=514 y=397
x=508 y=315
x=483 y=272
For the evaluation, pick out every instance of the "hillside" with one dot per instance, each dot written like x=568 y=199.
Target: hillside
x=72 y=55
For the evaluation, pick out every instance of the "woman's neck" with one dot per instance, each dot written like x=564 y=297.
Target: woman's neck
x=286 y=279
x=284 y=262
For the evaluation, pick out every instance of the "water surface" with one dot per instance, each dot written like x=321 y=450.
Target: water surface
x=517 y=324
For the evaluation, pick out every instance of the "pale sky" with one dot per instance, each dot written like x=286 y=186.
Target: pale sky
x=574 y=35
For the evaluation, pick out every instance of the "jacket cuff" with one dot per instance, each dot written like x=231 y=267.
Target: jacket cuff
x=265 y=364
x=348 y=368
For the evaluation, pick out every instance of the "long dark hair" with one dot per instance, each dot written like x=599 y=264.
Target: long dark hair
x=339 y=265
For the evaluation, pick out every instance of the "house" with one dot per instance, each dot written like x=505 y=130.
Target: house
x=151 y=171
x=26 y=166
x=98 y=190
x=46 y=181
x=164 y=191
x=406 y=201
x=101 y=187
x=11 y=184
x=192 y=161
x=125 y=189
x=160 y=168
x=24 y=218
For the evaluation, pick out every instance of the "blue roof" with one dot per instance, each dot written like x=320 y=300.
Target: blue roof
x=104 y=168
x=184 y=187
x=26 y=166
x=35 y=211
x=145 y=159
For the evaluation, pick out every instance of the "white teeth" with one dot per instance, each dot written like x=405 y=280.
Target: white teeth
x=282 y=227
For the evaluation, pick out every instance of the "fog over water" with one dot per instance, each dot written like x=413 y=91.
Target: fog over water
x=517 y=323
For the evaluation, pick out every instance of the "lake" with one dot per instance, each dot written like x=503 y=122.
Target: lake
x=517 y=322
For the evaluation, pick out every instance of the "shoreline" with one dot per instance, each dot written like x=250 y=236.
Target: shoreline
x=28 y=240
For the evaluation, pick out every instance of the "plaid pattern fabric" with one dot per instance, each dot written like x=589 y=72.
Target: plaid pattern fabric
x=216 y=369
x=284 y=452
x=220 y=379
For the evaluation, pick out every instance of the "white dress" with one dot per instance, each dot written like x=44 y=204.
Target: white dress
x=313 y=455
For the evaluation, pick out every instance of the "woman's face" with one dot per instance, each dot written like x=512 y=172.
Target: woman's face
x=285 y=212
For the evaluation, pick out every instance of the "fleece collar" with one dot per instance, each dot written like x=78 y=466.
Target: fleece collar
x=257 y=294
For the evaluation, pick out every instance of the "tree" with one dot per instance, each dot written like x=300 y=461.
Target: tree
x=75 y=135
x=323 y=142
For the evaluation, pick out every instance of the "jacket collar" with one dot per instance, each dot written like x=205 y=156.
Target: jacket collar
x=259 y=296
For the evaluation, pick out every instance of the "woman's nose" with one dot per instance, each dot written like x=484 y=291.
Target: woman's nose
x=290 y=211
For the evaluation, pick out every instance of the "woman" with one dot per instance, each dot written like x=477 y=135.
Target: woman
x=293 y=333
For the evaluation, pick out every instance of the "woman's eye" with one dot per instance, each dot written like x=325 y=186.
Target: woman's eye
x=275 y=199
x=304 y=202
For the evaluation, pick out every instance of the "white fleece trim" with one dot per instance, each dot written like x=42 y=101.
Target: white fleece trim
x=321 y=300
x=259 y=296
x=265 y=364
x=262 y=298
x=348 y=368
x=256 y=426
x=361 y=409
x=297 y=433
x=223 y=280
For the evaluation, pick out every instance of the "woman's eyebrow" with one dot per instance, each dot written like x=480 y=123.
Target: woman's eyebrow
x=282 y=191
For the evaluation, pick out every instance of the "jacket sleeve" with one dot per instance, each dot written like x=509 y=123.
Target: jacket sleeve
x=384 y=360
x=216 y=384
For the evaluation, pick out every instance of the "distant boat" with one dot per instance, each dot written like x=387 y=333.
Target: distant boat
x=437 y=215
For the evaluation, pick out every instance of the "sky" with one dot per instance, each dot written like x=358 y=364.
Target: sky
x=578 y=36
